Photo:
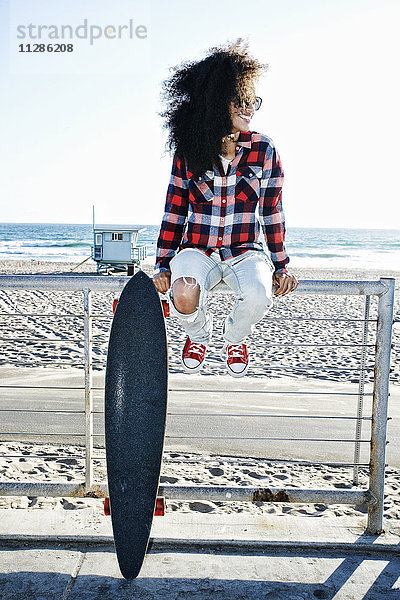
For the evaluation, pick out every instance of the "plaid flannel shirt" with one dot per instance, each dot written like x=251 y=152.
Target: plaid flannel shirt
x=218 y=211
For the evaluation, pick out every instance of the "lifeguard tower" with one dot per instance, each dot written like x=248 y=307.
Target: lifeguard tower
x=116 y=247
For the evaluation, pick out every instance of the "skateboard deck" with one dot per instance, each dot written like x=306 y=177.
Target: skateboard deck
x=135 y=416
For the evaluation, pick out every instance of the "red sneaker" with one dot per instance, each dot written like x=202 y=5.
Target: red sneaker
x=193 y=355
x=237 y=359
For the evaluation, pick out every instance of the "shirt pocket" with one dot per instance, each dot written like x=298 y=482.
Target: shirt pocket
x=248 y=181
x=202 y=189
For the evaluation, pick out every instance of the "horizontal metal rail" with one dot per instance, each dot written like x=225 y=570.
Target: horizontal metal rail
x=103 y=364
x=112 y=284
x=41 y=363
x=178 y=414
x=331 y=369
x=281 y=439
x=43 y=387
x=46 y=433
x=79 y=341
x=211 y=493
x=37 y=387
x=268 y=416
x=109 y=316
x=244 y=461
x=198 y=437
x=41 y=316
x=324 y=345
x=41 y=340
x=63 y=282
x=51 y=340
x=236 y=391
x=330 y=319
x=249 y=494
x=46 y=456
x=57 y=411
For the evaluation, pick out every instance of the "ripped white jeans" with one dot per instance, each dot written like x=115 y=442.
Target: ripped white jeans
x=249 y=275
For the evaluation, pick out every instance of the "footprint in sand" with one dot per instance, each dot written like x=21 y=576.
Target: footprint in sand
x=201 y=507
x=68 y=505
x=305 y=511
x=67 y=461
x=255 y=475
x=165 y=479
x=216 y=471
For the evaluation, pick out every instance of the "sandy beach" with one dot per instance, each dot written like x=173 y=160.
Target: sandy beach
x=322 y=363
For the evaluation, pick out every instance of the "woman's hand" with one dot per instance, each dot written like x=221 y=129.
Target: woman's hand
x=285 y=283
x=162 y=281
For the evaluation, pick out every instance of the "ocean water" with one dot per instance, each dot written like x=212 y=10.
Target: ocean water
x=307 y=247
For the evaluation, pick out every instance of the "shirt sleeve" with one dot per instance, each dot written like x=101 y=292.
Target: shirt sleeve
x=175 y=213
x=271 y=212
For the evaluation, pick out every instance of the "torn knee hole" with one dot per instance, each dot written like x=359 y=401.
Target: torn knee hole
x=190 y=282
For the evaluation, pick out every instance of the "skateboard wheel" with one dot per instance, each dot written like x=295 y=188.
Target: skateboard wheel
x=160 y=507
x=107 y=511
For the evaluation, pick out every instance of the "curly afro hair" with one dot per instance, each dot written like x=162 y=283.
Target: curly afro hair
x=198 y=94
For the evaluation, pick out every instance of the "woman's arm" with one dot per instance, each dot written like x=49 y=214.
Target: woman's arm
x=175 y=213
x=271 y=212
x=273 y=221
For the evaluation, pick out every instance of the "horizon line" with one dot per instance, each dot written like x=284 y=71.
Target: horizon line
x=156 y=224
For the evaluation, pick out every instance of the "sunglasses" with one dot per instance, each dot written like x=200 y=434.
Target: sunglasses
x=256 y=103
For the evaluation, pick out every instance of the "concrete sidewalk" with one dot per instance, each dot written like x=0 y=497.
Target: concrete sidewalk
x=62 y=555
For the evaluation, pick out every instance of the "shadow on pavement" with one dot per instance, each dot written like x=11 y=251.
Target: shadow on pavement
x=90 y=573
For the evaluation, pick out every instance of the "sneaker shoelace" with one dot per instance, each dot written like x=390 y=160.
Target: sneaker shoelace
x=195 y=348
x=236 y=350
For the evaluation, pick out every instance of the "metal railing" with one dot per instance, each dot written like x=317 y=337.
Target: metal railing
x=372 y=497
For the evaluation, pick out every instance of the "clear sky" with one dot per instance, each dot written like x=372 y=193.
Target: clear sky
x=82 y=128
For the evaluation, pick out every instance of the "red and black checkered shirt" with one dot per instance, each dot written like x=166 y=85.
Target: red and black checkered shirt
x=218 y=211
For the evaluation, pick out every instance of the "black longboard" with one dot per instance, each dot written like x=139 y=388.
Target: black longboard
x=135 y=416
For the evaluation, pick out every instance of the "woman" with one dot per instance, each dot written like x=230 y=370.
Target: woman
x=221 y=173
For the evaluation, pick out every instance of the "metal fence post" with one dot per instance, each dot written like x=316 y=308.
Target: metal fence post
x=361 y=391
x=380 y=405
x=87 y=320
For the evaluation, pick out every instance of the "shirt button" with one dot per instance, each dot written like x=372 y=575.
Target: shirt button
x=220 y=239
x=222 y=219
x=237 y=147
x=223 y=201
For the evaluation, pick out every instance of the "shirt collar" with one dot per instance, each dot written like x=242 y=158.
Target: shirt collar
x=244 y=139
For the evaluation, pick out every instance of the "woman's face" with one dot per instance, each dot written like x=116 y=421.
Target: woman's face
x=241 y=116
